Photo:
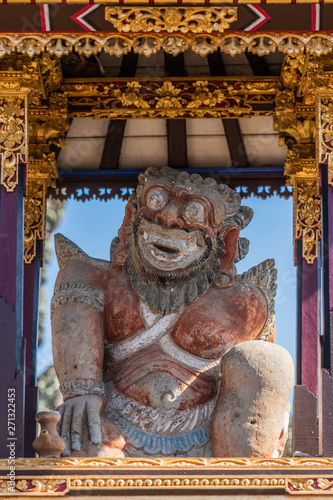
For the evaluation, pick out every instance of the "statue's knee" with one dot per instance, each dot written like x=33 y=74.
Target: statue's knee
x=256 y=366
x=250 y=414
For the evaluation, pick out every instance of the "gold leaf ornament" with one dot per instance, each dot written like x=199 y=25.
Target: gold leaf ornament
x=171 y=19
x=168 y=96
x=324 y=483
x=132 y=96
x=13 y=143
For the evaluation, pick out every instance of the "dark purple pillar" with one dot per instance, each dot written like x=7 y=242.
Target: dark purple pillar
x=310 y=326
x=12 y=352
x=30 y=332
x=326 y=399
x=305 y=422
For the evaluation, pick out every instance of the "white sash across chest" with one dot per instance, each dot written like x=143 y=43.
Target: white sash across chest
x=158 y=331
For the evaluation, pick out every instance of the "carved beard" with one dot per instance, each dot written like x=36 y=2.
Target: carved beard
x=166 y=291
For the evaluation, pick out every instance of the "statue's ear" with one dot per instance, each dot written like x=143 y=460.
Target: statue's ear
x=119 y=257
x=230 y=236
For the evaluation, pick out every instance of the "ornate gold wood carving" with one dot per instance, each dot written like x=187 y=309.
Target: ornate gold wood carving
x=31 y=486
x=295 y=121
x=321 y=485
x=171 y=98
x=147 y=44
x=171 y=19
x=48 y=124
x=20 y=83
x=302 y=174
x=23 y=84
x=66 y=476
x=42 y=174
x=92 y=463
x=13 y=137
x=307 y=218
x=30 y=111
x=325 y=132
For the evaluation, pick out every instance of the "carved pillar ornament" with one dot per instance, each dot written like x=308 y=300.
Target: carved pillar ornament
x=48 y=124
x=296 y=125
x=19 y=78
x=302 y=175
x=13 y=137
x=42 y=174
x=325 y=132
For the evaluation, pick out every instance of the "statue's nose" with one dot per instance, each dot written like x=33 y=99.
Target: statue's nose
x=170 y=216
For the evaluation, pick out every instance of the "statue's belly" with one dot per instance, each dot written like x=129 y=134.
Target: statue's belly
x=155 y=379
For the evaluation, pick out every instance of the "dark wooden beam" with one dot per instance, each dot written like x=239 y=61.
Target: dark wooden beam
x=216 y=64
x=235 y=142
x=176 y=129
x=115 y=133
x=258 y=64
x=177 y=146
x=112 y=146
x=128 y=65
x=232 y=129
x=174 y=65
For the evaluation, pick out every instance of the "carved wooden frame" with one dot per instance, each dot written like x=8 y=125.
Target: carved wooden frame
x=176 y=476
x=59 y=477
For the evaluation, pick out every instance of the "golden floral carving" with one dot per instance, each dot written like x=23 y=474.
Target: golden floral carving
x=171 y=98
x=295 y=121
x=292 y=69
x=60 y=44
x=22 y=75
x=325 y=132
x=132 y=96
x=13 y=138
x=168 y=97
x=171 y=19
x=41 y=174
x=203 y=96
x=324 y=483
x=32 y=486
x=48 y=124
x=320 y=485
x=307 y=216
x=51 y=73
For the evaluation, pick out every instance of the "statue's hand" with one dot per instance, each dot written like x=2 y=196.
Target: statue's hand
x=75 y=413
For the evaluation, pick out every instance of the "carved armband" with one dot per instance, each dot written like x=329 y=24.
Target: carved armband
x=77 y=292
x=82 y=388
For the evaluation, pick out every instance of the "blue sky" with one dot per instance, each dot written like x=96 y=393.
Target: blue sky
x=92 y=225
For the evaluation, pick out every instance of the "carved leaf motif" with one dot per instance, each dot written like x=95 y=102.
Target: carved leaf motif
x=302 y=485
x=171 y=19
x=324 y=483
x=13 y=145
x=308 y=217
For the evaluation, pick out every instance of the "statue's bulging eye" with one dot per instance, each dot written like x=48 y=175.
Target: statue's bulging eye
x=195 y=211
x=156 y=199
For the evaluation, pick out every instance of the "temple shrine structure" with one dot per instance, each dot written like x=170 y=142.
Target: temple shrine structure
x=238 y=91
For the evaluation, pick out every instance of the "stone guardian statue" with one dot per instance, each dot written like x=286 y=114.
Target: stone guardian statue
x=165 y=350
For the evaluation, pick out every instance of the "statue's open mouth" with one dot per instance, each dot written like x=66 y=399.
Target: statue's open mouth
x=169 y=249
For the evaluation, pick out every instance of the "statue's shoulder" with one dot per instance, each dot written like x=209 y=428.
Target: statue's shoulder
x=263 y=276
x=68 y=252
